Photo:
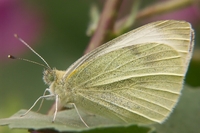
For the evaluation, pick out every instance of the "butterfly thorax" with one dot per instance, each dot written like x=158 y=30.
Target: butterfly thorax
x=57 y=85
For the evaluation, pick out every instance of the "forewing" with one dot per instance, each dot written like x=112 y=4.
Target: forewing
x=177 y=34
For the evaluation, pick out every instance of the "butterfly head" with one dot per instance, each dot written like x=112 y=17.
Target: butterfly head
x=49 y=76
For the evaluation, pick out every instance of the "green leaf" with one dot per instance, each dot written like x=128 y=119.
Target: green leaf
x=68 y=121
x=186 y=116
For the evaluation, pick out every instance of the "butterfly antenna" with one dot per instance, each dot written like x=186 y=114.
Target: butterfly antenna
x=13 y=57
x=21 y=40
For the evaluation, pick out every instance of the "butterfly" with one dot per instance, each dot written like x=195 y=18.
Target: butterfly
x=135 y=78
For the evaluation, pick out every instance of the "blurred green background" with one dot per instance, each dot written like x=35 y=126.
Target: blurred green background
x=61 y=41
x=59 y=36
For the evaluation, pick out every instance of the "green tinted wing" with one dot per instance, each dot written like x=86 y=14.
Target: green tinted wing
x=138 y=83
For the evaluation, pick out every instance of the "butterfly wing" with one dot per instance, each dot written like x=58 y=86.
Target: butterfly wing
x=137 y=77
x=178 y=34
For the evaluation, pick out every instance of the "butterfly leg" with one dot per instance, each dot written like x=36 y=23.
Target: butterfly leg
x=41 y=97
x=56 y=109
x=80 y=115
x=46 y=90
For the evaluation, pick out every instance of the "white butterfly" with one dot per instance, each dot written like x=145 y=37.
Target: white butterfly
x=135 y=78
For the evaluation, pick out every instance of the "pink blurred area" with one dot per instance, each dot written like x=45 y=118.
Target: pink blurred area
x=190 y=14
x=18 y=17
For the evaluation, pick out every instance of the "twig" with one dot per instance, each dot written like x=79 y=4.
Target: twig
x=156 y=9
x=106 y=24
